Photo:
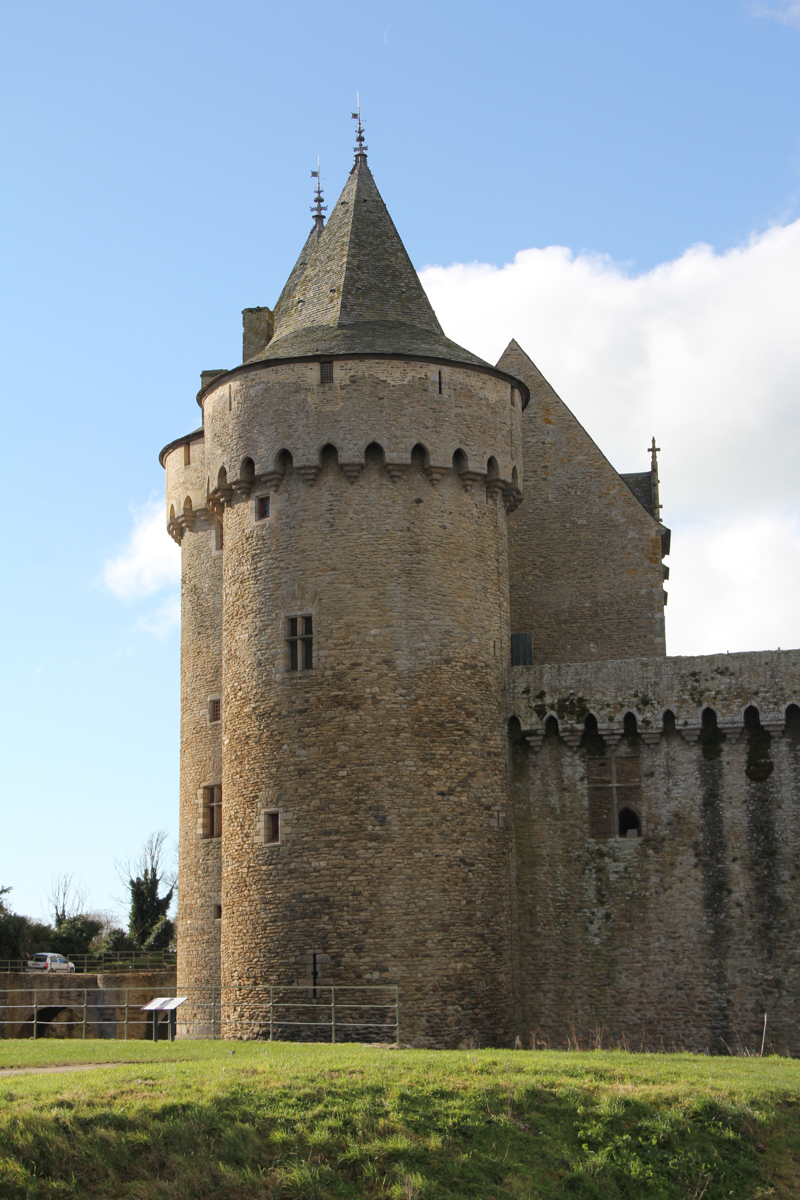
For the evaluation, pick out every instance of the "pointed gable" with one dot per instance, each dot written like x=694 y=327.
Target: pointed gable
x=585 y=573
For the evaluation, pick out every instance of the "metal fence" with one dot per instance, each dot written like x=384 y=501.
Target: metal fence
x=92 y=964
x=293 y=1012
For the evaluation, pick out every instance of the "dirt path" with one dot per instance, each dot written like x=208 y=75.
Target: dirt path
x=8 y=1072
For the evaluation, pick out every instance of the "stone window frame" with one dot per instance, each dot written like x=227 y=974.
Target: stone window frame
x=256 y=521
x=267 y=817
x=206 y=815
x=618 y=794
x=217 y=537
x=300 y=615
x=215 y=699
x=326 y=378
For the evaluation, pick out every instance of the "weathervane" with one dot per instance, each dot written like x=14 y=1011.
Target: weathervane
x=318 y=208
x=360 y=149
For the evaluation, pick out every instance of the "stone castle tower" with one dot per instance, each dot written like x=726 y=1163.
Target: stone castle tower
x=343 y=516
x=429 y=733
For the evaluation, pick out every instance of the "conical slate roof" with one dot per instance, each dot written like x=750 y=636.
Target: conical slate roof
x=353 y=289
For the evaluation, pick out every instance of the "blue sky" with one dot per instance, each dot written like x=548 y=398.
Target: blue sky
x=156 y=182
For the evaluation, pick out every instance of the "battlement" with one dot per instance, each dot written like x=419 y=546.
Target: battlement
x=656 y=692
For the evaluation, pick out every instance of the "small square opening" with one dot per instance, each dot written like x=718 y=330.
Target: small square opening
x=326 y=372
x=262 y=508
x=215 y=709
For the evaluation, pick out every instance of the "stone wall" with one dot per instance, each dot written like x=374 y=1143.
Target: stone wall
x=584 y=555
x=385 y=762
x=57 y=1002
x=685 y=936
x=200 y=889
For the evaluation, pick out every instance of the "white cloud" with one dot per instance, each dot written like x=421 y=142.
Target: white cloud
x=149 y=562
x=161 y=622
x=785 y=11
x=704 y=353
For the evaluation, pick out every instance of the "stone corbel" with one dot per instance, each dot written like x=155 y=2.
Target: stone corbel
x=494 y=487
x=396 y=470
x=512 y=497
x=690 y=733
x=271 y=479
x=774 y=727
x=572 y=737
x=308 y=472
x=175 y=530
x=651 y=737
x=218 y=499
x=534 y=739
x=470 y=478
x=242 y=487
x=352 y=470
x=435 y=473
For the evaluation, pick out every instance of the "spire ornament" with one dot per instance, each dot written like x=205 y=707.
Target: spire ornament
x=360 y=150
x=318 y=209
x=654 y=450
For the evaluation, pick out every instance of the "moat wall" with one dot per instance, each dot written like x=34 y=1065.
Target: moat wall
x=685 y=936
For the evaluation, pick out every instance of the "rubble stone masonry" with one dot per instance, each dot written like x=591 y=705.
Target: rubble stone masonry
x=385 y=762
x=685 y=936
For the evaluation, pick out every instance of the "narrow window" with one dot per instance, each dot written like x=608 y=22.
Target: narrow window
x=219 y=535
x=272 y=827
x=262 y=508
x=301 y=643
x=326 y=372
x=440 y=383
x=212 y=812
x=215 y=709
x=217 y=912
x=521 y=650
x=187 y=454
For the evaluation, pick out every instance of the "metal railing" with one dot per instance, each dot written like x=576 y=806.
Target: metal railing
x=289 y=1012
x=93 y=964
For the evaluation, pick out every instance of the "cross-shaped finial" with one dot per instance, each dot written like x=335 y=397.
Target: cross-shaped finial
x=654 y=451
x=359 y=149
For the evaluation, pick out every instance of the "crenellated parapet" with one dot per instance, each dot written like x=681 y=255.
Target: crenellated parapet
x=654 y=698
x=455 y=418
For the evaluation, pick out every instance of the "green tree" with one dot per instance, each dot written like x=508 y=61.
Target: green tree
x=75 y=934
x=148 y=922
x=20 y=936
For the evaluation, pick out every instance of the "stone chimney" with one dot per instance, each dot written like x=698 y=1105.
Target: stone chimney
x=257 y=327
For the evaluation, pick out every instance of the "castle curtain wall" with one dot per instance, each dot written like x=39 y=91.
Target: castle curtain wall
x=683 y=937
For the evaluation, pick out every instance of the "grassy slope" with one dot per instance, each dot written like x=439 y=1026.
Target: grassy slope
x=199 y=1120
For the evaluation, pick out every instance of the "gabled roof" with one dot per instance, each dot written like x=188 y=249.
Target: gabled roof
x=354 y=290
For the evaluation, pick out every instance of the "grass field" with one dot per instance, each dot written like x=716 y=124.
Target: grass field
x=223 y=1120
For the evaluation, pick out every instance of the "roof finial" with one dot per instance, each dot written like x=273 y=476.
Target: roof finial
x=654 y=450
x=359 y=149
x=318 y=208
